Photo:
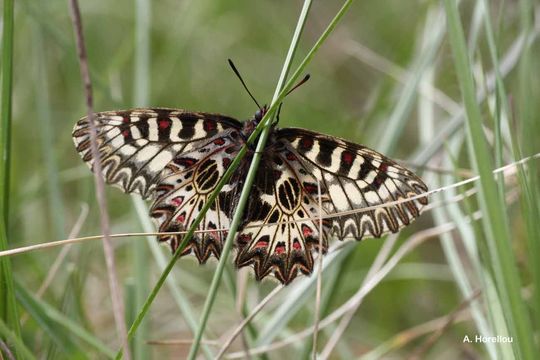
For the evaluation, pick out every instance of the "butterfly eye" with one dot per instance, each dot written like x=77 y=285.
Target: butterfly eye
x=258 y=115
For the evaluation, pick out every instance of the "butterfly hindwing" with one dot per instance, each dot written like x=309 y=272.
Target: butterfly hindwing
x=184 y=188
x=136 y=145
x=274 y=239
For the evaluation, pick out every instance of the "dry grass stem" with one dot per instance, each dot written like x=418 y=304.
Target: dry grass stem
x=117 y=303
x=507 y=170
x=413 y=242
x=246 y=321
x=420 y=352
x=319 y=278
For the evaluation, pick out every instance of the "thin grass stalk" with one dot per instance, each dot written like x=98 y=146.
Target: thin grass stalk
x=501 y=114
x=490 y=320
x=248 y=319
x=178 y=294
x=368 y=285
x=318 y=292
x=250 y=178
x=507 y=169
x=405 y=337
x=529 y=138
x=8 y=305
x=141 y=94
x=460 y=272
x=494 y=221
x=56 y=206
x=233 y=166
x=6 y=332
x=507 y=64
x=500 y=91
x=117 y=304
x=47 y=315
x=398 y=119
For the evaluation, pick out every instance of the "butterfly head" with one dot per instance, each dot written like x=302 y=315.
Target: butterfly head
x=259 y=114
x=250 y=125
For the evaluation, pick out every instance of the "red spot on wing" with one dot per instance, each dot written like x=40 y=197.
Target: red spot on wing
x=125 y=120
x=177 y=201
x=125 y=133
x=219 y=141
x=187 y=162
x=296 y=245
x=306 y=231
x=280 y=249
x=347 y=157
x=209 y=125
x=164 y=123
x=306 y=143
x=226 y=162
x=310 y=188
x=290 y=156
x=383 y=167
x=181 y=218
x=243 y=239
x=261 y=244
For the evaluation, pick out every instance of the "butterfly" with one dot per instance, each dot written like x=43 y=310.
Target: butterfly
x=176 y=158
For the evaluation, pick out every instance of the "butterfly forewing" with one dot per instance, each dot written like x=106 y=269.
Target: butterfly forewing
x=136 y=145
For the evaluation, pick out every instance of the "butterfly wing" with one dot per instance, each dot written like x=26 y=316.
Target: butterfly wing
x=356 y=177
x=281 y=227
x=184 y=187
x=136 y=145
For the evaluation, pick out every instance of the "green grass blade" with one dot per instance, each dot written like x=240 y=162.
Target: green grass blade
x=8 y=307
x=530 y=128
x=179 y=295
x=246 y=190
x=507 y=64
x=398 y=119
x=493 y=220
x=6 y=333
x=47 y=314
x=232 y=168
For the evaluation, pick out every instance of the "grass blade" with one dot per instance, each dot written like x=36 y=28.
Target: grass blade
x=528 y=93
x=233 y=166
x=493 y=220
x=46 y=314
x=8 y=307
x=7 y=333
x=246 y=190
x=116 y=297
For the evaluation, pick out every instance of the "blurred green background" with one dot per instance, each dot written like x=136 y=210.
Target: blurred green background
x=385 y=78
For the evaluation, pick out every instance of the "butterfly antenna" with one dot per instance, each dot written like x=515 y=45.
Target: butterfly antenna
x=243 y=83
x=301 y=82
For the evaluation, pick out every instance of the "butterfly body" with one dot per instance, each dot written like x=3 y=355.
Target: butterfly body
x=176 y=158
